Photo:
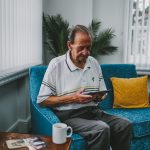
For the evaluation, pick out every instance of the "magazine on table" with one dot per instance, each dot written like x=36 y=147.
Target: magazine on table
x=33 y=143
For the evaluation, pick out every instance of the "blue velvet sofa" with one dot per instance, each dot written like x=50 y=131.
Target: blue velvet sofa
x=42 y=118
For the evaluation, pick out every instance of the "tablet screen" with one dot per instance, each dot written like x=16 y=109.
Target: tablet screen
x=96 y=93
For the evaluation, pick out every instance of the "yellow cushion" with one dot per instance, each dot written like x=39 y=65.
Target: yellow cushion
x=130 y=92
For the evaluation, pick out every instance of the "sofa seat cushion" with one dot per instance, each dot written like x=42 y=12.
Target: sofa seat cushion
x=139 y=117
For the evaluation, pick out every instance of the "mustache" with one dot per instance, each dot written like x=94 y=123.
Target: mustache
x=82 y=59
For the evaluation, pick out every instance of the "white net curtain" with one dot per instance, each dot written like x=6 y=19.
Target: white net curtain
x=138 y=39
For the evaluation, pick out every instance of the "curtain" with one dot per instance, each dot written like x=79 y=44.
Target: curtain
x=20 y=34
x=138 y=39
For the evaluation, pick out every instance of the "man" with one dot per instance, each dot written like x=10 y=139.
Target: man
x=66 y=79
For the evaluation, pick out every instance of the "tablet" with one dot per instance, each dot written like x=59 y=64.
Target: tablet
x=97 y=93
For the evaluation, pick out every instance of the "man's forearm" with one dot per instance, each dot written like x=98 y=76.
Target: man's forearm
x=77 y=97
x=57 y=100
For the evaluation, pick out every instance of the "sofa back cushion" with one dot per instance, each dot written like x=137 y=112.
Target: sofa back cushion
x=36 y=75
x=115 y=70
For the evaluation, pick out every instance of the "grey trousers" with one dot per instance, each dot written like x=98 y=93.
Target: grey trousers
x=101 y=130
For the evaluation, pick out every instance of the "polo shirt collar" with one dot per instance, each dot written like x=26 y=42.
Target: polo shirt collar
x=71 y=65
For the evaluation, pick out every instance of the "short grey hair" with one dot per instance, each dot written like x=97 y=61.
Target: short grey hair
x=78 y=28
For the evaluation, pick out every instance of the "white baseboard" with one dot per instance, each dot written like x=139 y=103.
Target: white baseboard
x=21 y=126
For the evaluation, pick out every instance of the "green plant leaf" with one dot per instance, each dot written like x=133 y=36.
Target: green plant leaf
x=94 y=27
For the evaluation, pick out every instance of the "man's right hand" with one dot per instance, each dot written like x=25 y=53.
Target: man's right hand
x=78 y=97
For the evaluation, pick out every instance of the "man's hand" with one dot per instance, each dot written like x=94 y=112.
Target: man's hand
x=99 y=97
x=78 y=97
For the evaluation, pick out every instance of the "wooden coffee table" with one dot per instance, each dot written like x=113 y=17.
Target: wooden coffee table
x=50 y=145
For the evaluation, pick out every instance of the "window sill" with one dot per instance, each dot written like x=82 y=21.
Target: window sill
x=143 y=72
x=9 y=76
x=4 y=79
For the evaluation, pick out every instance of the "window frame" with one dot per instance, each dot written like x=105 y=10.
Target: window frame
x=127 y=41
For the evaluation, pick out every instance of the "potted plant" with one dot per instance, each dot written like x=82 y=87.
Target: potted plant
x=56 y=30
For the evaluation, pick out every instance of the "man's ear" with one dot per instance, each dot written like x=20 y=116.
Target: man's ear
x=69 y=45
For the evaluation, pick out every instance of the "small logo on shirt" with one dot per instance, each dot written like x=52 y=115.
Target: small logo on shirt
x=93 y=79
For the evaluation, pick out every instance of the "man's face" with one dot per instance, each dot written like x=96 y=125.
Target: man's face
x=80 y=49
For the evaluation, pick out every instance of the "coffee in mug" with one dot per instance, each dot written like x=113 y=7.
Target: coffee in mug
x=60 y=133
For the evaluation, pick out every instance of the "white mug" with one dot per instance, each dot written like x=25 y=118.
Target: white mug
x=60 y=133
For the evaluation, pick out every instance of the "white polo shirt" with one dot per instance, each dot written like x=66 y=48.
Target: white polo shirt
x=62 y=77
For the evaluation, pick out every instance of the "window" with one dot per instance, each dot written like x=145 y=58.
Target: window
x=20 y=35
x=137 y=44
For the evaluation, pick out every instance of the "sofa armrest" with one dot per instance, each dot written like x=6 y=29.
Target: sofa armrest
x=149 y=95
x=42 y=119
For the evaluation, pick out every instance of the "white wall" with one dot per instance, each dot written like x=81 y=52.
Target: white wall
x=74 y=11
x=110 y=13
